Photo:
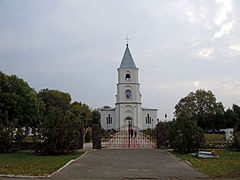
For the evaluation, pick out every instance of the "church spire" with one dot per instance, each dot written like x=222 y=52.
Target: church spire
x=127 y=39
x=127 y=60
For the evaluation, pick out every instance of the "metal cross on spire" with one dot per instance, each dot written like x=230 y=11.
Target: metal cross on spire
x=127 y=39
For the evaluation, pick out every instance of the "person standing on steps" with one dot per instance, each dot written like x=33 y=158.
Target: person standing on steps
x=131 y=132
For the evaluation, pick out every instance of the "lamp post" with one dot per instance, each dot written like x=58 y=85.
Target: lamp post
x=107 y=122
x=165 y=117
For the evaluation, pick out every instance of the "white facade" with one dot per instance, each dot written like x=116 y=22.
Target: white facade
x=229 y=133
x=128 y=100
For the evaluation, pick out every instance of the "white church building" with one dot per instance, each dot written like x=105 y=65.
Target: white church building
x=128 y=106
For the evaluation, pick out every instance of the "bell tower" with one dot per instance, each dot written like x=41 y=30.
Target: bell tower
x=128 y=98
x=128 y=108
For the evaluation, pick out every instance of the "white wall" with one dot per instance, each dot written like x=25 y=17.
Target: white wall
x=229 y=133
x=122 y=74
x=153 y=115
x=104 y=115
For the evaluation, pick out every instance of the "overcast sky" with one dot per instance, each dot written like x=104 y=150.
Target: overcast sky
x=76 y=46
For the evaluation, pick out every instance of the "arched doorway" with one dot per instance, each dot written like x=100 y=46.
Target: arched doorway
x=128 y=121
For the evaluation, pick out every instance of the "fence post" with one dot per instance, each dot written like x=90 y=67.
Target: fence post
x=96 y=136
x=158 y=129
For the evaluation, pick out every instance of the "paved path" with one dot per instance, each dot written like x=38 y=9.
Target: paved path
x=124 y=164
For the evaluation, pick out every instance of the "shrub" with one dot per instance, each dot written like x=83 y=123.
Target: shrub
x=6 y=134
x=58 y=133
x=161 y=135
x=87 y=136
x=215 y=138
x=19 y=110
x=235 y=143
x=184 y=135
x=107 y=134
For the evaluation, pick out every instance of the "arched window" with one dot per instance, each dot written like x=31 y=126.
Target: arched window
x=109 y=119
x=148 y=119
x=127 y=77
x=128 y=94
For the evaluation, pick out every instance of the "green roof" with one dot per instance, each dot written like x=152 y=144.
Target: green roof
x=127 y=60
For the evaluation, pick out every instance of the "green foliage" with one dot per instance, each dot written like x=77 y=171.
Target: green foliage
x=6 y=133
x=215 y=138
x=55 y=121
x=184 y=135
x=236 y=109
x=96 y=116
x=19 y=108
x=55 y=98
x=235 y=143
x=88 y=136
x=82 y=113
x=149 y=133
x=202 y=107
x=108 y=134
x=6 y=125
x=232 y=117
x=162 y=136
x=59 y=134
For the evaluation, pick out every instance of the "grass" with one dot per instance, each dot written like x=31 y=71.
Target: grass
x=215 y=138
x=30 y=164
x=227 y=165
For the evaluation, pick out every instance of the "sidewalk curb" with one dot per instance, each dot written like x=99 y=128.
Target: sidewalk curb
x=179 y=159
x=60 y=169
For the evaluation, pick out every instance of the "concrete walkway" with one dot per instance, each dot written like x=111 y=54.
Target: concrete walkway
x=132 y=164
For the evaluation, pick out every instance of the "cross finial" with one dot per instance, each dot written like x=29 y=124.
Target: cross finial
x=127 y=39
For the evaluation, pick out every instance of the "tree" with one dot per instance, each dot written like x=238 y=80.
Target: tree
x=27 y=104
x=202 y=107
x=82 y=113
x=184 y=135
x=231 y=118
x=7 y=126
x=59 y=133
x=96 y=116
x=161 y=135
x=20 y=109
x=236 y=109
x=86 y=116
x=236 y=140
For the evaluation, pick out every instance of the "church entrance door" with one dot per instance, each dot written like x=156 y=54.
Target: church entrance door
x=129 y=136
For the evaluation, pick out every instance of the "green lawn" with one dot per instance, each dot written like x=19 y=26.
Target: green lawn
x=227 y=165
x=215 y=138
x=28 y=163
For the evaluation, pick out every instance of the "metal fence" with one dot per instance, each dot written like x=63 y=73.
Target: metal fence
x=128 y=137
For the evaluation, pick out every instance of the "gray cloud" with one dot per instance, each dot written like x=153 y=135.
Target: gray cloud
x=76 y=46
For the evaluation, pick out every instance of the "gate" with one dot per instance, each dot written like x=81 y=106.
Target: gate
x=128 y=137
